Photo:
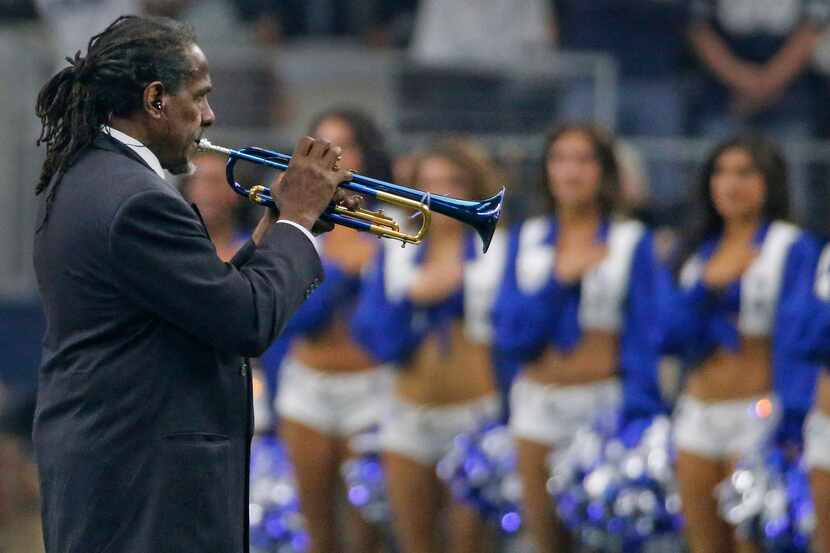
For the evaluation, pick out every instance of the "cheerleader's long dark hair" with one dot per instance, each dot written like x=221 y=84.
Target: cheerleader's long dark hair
x=768 y=159
x=603 y=145
x=109 y=81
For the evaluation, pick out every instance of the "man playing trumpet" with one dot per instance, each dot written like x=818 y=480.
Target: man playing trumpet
x=144 y=408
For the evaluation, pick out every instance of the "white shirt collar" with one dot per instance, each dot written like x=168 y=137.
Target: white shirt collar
x=135 y=145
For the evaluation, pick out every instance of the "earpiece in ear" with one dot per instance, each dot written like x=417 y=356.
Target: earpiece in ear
x=157 y=105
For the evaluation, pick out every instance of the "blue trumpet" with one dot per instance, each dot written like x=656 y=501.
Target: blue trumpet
x=482 y=215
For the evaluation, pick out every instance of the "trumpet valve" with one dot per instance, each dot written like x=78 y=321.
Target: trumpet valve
x=254 y=194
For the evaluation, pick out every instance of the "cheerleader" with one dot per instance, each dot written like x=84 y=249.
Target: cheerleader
x=426 y=310
x=727 y=319
x=329 y=387
x=576 y=309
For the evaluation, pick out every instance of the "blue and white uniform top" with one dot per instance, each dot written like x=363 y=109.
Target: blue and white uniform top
x=335 y=297
x=391 y=327
x=534 y=310
x=764 y=302
x=810 y=337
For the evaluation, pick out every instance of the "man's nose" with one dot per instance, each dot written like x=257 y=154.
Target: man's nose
x=208 y=117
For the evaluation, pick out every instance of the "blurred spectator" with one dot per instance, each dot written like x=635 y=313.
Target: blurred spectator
x=493 y=34
x=15 y=10
x=72 y=22
x=646 y=39
x=393 y=24
x=276 y=20
x=634 y=184
x=821 y=58
x=465 y=64
x=20 y=529
x=758 y=56
x=636 y=199
x=166 y=8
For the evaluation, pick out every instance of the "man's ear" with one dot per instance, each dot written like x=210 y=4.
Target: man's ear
x=153 y=100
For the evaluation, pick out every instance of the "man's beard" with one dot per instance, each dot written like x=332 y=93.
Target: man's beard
x=185 y=167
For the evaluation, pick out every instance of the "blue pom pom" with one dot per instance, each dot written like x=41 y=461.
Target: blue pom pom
x=614 y=487
x=276 y=525
x=480 y=469
x=364 y=477
x=768 y=498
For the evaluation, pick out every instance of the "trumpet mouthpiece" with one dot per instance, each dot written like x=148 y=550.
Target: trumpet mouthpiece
x=206 y=145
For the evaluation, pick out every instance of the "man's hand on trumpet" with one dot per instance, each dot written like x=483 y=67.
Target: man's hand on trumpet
x=307 y=188
x=310 y=183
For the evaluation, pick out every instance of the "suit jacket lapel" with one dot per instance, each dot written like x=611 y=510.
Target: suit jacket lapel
x=105 y=142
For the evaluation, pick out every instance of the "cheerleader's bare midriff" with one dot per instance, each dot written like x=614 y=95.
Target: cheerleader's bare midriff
x=332 y=351
x=728 y=375
x=446 y=371
x=823 y=392
x=594 y=359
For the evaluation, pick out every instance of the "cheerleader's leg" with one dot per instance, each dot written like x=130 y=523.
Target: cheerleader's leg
x=315 y=458
x=755 y=422
x=700 y=467
x=468 y=532
x=544 y=526
x=742 y=545
x=412 y=485
x=415 y=500
x=820 y=489
x=362 y=399
x=697 y=477
x=711 y=438
x=536 y=427
x=364 y=537
x=817 y=459
x=310 y=427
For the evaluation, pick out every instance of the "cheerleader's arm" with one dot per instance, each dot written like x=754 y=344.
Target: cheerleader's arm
x=317 y=311
x=522 y=321
x=800 y=322
x=380 y=324
x=641 y=336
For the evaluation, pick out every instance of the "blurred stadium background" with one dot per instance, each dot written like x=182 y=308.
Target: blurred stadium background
x=501 y=70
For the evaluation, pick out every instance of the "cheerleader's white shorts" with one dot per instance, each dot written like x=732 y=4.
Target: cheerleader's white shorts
x=339 y=404
x=724 y=429
x=425 y=433
x=551 y=414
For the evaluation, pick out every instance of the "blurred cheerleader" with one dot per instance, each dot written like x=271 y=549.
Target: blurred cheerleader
x=329 y=387
x=576 y=309
x=426 y=309
x=728 y=319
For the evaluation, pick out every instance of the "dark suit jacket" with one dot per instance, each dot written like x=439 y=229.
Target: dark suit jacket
x=144 y=418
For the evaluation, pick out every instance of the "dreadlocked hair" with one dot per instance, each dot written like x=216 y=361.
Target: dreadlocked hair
x=109 y=81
